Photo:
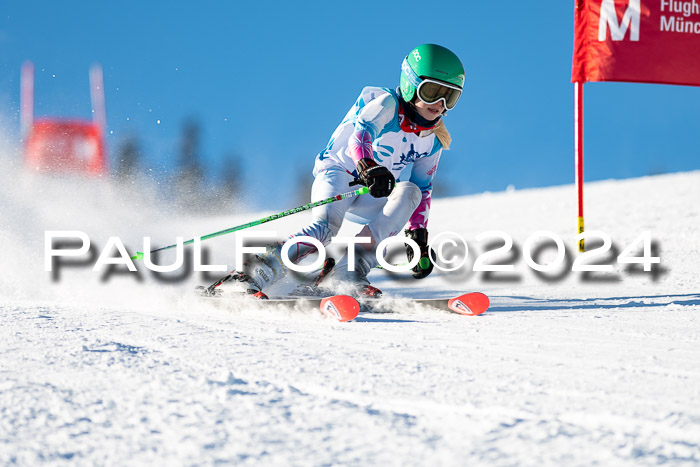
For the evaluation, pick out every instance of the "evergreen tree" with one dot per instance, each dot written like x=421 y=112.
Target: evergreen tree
x=189 y=180
x=128 y=158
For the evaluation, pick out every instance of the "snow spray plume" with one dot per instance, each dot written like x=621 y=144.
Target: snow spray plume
x=305 y=207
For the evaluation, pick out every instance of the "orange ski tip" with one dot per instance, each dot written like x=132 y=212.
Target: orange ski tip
x=471 y=304
x=340 y=307
x=260 y=295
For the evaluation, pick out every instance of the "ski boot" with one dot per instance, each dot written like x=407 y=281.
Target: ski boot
x=354 y=282
x=258 y=272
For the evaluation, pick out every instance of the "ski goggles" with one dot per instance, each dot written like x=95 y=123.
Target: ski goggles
x=431 y=91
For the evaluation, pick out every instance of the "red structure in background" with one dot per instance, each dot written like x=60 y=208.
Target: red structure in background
x=66 y=146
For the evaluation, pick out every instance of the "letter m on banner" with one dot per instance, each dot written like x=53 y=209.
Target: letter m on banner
x=608 y=20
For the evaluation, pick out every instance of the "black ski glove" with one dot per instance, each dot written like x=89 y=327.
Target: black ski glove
x=377 y=178
x=425 y=265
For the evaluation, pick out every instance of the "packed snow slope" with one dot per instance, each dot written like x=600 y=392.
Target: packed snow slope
x=566 y=368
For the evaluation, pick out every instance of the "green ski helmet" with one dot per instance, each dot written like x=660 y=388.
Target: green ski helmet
x=433 y=73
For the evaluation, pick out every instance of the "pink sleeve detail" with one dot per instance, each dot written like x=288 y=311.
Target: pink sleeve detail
x=419 y=219
x=360 y=145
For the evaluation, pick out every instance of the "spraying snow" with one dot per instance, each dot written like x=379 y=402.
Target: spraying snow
x=560 y=370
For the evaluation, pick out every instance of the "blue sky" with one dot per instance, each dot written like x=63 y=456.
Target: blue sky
x=269 y=82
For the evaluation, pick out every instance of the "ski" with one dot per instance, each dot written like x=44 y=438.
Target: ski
x=469 y=304
x=342 y=308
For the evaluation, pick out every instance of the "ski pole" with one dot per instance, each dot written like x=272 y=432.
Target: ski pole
x=289 y=212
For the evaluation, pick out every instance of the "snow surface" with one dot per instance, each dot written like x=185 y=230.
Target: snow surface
x=565 y=371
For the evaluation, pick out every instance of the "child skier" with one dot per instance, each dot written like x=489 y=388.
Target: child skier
x=384 y=132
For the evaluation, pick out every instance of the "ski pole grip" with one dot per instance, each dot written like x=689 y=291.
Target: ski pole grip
x=424 y=263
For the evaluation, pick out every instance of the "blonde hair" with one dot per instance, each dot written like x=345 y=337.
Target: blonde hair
x=443 y=135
